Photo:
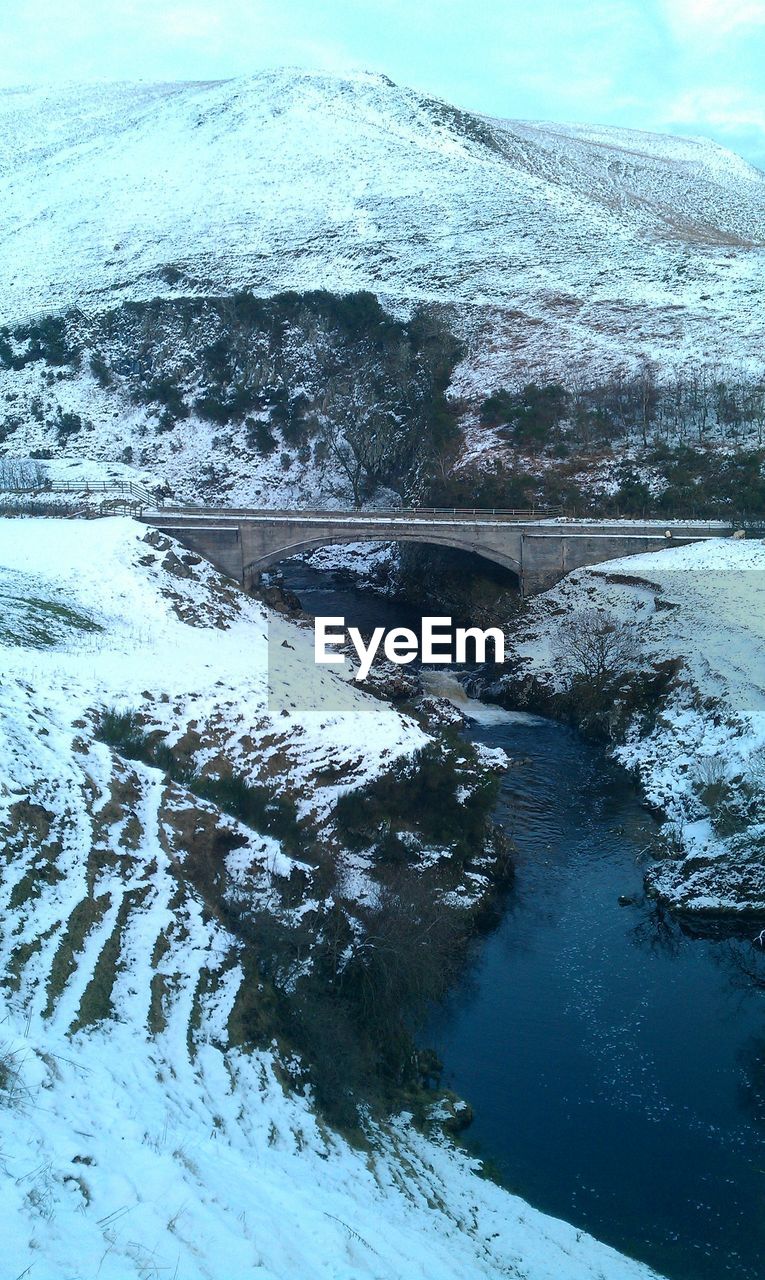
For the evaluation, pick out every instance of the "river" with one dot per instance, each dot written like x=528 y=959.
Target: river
x=615 y=1061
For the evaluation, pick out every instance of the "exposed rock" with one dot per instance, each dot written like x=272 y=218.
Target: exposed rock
x=173 y=564
x=157 y=540
x=280 y=598
x=452 y=1114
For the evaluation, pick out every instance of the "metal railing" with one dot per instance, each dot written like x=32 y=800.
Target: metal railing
x=527 y=513
x=142 y=497
x=138 y=499
x=125 y=489
x=384 y=514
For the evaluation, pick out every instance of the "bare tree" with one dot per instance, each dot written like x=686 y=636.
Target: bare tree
x=365 y=437
x=648 y=396
x=596 y=649
x=21 y=473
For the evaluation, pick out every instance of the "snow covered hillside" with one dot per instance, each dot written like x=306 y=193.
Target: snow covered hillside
x=298 y=289
x=141 y=1133
x=701 y=762
x=560 y=247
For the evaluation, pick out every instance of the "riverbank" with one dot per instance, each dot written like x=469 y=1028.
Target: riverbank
x=693 y=619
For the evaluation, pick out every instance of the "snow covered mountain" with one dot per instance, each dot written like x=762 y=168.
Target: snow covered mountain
x=557 y=245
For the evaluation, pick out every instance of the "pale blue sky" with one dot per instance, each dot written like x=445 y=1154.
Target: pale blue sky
x=695 y=66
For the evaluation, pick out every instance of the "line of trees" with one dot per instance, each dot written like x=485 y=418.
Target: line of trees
x=693 y=403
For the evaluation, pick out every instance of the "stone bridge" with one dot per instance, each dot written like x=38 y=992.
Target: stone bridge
x=538 y=550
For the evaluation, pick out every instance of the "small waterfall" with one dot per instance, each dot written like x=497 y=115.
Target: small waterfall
x=444 y=684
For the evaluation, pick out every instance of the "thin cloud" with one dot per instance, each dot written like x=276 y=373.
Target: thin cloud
x=721 y=17
x=726 y=110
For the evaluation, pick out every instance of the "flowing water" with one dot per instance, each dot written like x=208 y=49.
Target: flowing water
x=615 y=1061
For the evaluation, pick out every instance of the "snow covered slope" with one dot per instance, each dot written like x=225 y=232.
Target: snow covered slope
x=556 y=243
x=139 y=1136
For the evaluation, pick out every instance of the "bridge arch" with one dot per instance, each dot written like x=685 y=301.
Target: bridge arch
x=436 y=538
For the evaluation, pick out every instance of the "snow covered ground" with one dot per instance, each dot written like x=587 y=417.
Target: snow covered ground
x=703 y=764
x=123 y=1159
x=562 y=248
x=136 y=1138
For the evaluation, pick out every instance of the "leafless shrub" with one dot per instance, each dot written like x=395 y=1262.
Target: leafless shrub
x=709 y=773
x=735 y=800
x=12 y=1088
x=353 y=1014
x=671 y=839
x=604 y=686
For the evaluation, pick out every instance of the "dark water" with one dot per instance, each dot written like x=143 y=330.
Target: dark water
x=616 y=1063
